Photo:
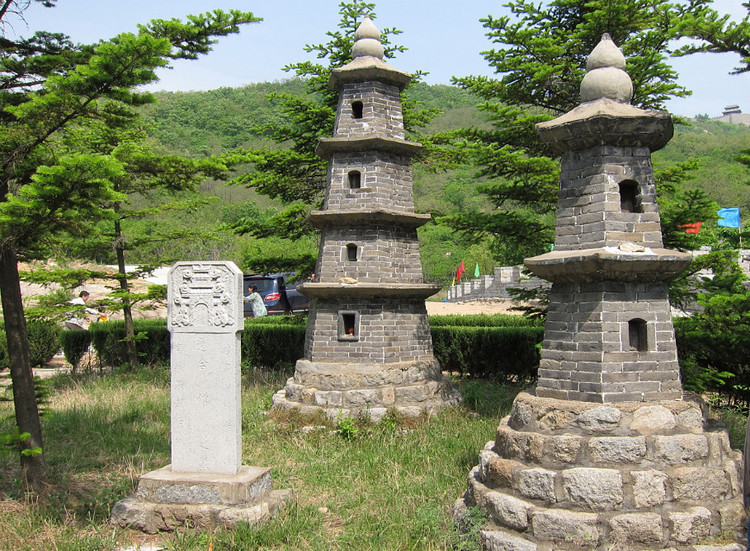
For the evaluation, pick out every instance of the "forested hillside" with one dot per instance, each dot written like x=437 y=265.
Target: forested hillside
x=209 y=123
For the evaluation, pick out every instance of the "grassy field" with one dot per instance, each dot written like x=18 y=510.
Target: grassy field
x=388 y=486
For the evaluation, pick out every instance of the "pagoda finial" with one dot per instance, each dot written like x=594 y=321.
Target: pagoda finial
x=606 y=77
x=367 y=40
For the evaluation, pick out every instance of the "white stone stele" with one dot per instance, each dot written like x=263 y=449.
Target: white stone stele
x=205 y=318
x=206 y=485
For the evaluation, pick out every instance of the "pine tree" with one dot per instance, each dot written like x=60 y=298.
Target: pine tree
x=47 y=84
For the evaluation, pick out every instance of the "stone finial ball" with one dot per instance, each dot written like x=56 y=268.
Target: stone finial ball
x=606 y=77
x=367 y=40
x=605 y=54
x=607 y=82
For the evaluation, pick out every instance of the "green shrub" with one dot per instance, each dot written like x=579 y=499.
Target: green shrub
x=485 y=320
x=44 y=342
x=272 y=346
x=74 y=345
x=152 y=341
x=509 y=353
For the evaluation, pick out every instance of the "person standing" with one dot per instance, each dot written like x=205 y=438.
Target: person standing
x=256 y=302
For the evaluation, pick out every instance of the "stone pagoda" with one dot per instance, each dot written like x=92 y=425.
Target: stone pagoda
x=368 y=345
x=606 y=453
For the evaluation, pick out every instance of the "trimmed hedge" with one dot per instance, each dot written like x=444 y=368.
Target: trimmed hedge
x=152 y=341
x=489 y=352
x=75 y=344
x=484 y=320
x=504 y=347
x=44 y=342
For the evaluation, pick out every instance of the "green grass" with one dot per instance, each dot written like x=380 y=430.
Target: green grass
x=388 y=486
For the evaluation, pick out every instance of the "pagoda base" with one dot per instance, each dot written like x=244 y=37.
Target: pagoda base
x=568 y=475
x=370 y=390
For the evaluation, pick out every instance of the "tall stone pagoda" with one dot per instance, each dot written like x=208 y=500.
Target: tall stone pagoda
x=606 y=453
x=368 y=345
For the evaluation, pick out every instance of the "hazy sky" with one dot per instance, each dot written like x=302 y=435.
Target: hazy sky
x=444 y=37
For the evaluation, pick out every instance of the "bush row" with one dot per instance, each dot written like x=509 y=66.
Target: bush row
x=276 y=342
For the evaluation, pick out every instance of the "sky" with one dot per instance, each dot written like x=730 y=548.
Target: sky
x=444 y=38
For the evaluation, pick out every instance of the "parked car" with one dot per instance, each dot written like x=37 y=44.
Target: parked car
x=278 y=297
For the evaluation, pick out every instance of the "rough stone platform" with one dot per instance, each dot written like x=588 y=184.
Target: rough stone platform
x=564 y=475
x=410 y=388
x=166 y=500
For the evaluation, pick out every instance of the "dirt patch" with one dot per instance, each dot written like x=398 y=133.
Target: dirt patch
x=472 y=307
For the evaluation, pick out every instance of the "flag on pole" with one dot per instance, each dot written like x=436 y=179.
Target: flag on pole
x=460 y=271
x=695 y=227
x=454 y=282
x=729 y=218
x=476 y=270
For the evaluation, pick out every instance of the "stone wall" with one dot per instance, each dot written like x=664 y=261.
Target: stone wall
x=590 y=186
x=589 y=352
x=385 y=182
x=384 y=332
x=384 y=254
x=381 y=110
x=495 y=286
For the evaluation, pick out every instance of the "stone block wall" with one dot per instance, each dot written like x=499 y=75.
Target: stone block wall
x=590 y=354
x=385 y=182
x=385 y=331
x=385 y=254
x=590 y=186
x=381 y=111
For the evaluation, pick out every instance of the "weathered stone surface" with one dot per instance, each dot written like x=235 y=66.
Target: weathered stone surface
x=616 y=449
x=680 y=448
x=558 y=525
x=652 y=420
x=690 y=526
x=496 y=540
x=691 y=419
x=595 y=489
x=537 y=484
x=641 y=528
x=649 y=488
x=555 y=420
x=731 y=514
x=508 y=511
x=521 y=415
x=563 y=449
x=601 y=419
x=495 y=471
x=699 y=484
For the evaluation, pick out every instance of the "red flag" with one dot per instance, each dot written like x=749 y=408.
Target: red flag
x=460 y=271
x=695 y=227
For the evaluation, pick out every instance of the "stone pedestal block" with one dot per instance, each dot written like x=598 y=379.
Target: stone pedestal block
x=166 y=500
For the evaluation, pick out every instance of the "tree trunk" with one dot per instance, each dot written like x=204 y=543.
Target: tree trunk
x=127 y=312
x=33 y=467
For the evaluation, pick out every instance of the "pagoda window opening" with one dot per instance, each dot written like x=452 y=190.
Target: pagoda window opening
x=630 y=196
x=348 y=326
x=638 y=335
x=357 y=109
x=355 y=179
x=351 y=252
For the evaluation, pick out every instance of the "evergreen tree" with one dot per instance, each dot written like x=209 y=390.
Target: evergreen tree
x=48 y=84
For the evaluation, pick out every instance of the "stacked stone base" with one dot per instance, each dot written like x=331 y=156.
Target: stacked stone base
x=567 y=475
x=409 y=388
x=166 y=500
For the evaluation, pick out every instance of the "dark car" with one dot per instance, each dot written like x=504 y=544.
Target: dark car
x=277 y=296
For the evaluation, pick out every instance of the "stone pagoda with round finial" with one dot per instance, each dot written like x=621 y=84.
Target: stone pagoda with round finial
x=368 y=345
x=606 y=453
